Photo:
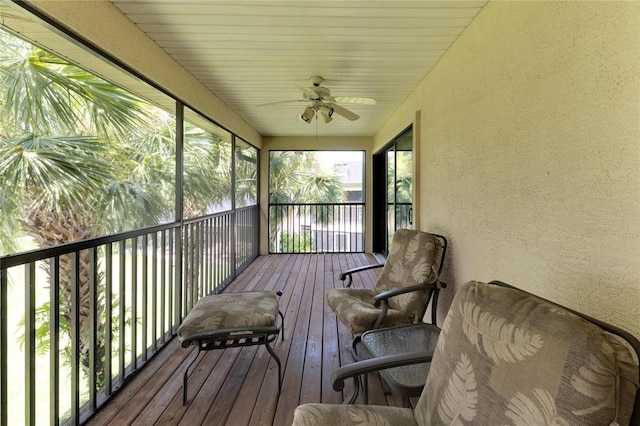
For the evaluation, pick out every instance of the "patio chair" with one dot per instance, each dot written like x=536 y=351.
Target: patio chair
x=505 y=356
x=409 y=281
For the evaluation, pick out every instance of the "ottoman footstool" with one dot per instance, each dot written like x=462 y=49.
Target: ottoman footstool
x=232 y=320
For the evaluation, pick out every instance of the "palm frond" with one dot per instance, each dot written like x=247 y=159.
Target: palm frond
x=53 y=96
x=9 y=220
x=321 y=189
x=55 y=171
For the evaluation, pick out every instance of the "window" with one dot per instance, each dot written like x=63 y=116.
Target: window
x=77 y=153
x=246 y=179
x=315 y=196
x=207 y=167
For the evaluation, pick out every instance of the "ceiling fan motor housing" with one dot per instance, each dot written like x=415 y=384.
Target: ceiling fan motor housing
x=317 y=93
x=316 y=80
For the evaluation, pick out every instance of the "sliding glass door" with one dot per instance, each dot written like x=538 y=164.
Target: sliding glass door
x=393 y=190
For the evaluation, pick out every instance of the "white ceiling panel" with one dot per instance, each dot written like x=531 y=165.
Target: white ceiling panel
x=255 y=52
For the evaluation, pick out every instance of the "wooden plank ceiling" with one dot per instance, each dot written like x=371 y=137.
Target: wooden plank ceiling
x=260 y=51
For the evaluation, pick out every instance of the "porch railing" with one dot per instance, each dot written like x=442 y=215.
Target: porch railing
x=316 y=228
x=77 y=320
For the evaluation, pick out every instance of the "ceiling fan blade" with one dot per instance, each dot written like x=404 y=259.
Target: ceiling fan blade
x=281 y=102
x=345 y=112
x=309 y=92
x=355 y=100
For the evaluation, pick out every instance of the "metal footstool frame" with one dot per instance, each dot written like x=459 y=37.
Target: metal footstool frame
x=234 y=338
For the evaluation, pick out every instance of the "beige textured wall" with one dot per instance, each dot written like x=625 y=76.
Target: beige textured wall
x=311 y=143
x=102 y=24
x=530 y=153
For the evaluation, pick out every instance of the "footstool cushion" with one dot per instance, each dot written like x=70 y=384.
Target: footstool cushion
x=229 y=311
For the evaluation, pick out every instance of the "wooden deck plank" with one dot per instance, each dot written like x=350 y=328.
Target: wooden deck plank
x=228 y=391
x=265 y=405
x=330 y=344
x=121 y=405
x=245 y=404
x=345 y=338
x=312 y=371
x=168 y=404
x=291 y=385
x=258 y=360
x=240 y=386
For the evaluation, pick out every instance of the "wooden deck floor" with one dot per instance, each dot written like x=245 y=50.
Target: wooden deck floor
x=239 y=386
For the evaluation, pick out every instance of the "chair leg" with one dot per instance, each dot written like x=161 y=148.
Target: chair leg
x=386 y=389
x=434 y=307
x=354 y=344
x=185 y=378
x=282 y=325
x=353 y=395
x=275 y=356
x=405 y=402
x=365 y=388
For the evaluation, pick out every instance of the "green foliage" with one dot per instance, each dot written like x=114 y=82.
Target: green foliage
x=45 y=94
x=79 y=157
x=295 y=177
x=53 y=171
x=70 y=140
x=43 y=335
x=295 y=243
x=246 y=174
x=207 y=171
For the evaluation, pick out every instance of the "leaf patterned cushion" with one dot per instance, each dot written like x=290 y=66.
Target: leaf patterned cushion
x=414 y=258
x=343 y=415
x=353 y=307
x=504 y=357
x=230 y=311
x=411 y=261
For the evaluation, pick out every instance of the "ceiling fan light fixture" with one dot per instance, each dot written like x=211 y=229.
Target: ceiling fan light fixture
x=307 y=115
x=327 y=118
x=326 y=110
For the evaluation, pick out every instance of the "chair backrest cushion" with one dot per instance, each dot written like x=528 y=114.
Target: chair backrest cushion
x=507 y=357
x=410 y=262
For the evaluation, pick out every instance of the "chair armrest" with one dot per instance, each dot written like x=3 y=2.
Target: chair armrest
x=349 y=273
x=378 y=298
x=355 y=370
x=383 y=298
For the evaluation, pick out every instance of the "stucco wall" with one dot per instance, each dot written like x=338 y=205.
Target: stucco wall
x=530 y=153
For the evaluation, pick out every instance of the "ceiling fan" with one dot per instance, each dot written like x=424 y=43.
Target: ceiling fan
x=320 y=103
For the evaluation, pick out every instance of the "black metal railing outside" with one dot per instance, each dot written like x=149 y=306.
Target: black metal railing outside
x=77 y=320
x=316 y=228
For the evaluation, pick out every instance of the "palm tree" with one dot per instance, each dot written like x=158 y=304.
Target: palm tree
x=72 y=156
